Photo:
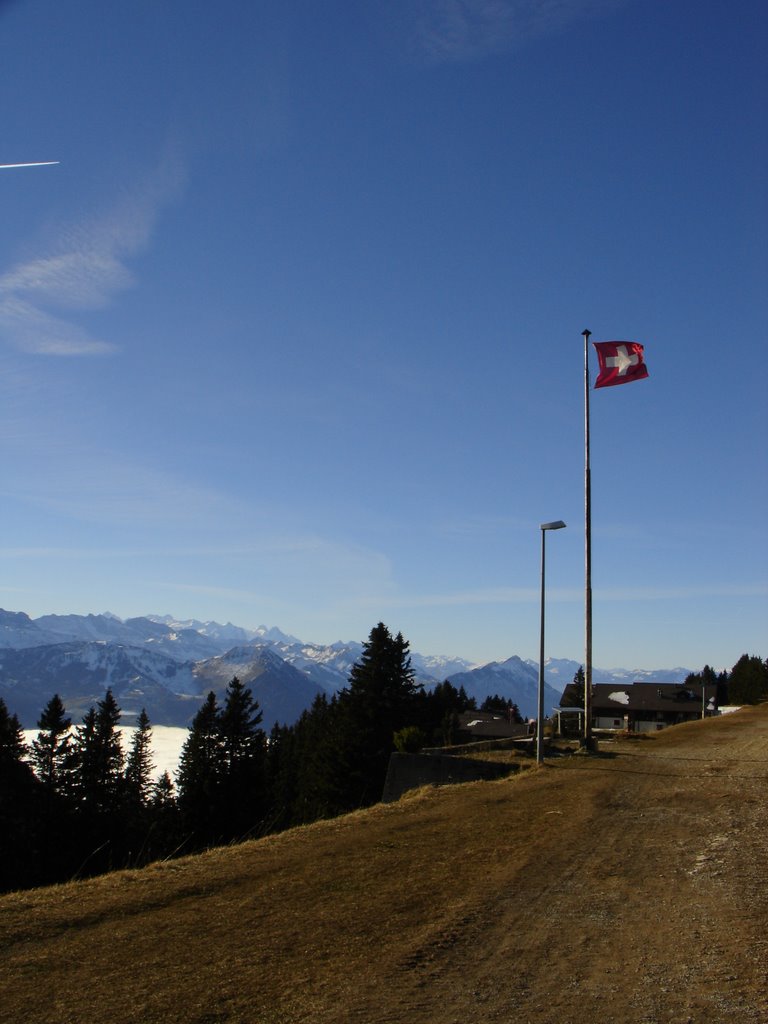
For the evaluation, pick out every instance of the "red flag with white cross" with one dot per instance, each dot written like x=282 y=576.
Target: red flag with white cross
x=620 y=362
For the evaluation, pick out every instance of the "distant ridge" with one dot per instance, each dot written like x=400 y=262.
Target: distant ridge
x=167 y=665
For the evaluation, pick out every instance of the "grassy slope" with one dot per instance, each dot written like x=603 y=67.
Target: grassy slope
x=627 y=887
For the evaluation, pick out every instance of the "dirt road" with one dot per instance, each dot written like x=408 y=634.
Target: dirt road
x=624 y=888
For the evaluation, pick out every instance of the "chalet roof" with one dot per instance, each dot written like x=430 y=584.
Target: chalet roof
x=489 y=724
x=643 y=696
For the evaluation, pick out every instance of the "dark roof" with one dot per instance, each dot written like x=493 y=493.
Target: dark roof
x=490 y=725
x=668 y=697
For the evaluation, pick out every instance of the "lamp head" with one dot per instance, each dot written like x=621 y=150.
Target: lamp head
x=557 y=525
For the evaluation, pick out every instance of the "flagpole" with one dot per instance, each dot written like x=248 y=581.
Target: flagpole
x=587 y=741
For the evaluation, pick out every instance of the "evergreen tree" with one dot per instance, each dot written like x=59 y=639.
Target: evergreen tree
x=442 y=707
x=137 y=786
x=242 y=784
x=200 y=769
x=573 y=694
x=748 y=682
x=95 y=774
x=320 y=762
x=502 y=705
x=281 y=776
x=13 y=749
x=52 y=764
x=138 y=765
x=382 y=698
x=51 y=748
x=163 y=792
x=96 y=759
x=710 y=682
x=19 y=790
x=164 y=836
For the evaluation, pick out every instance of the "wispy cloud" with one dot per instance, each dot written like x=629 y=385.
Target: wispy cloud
x=458 y=30
x=83 y=269
x=530 y=595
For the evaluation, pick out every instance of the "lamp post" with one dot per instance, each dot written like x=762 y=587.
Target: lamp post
x=557 y=525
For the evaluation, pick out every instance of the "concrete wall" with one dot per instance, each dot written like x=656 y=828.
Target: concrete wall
x=409 y=771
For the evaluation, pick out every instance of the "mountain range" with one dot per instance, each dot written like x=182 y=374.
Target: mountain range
x=167 y=666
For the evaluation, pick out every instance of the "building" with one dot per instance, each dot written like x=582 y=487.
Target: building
x=489 y=725
x=639 y=707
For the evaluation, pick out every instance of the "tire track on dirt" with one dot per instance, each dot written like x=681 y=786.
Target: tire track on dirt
x=591 y=926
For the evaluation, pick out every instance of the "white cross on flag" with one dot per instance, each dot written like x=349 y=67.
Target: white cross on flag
x=620 y=362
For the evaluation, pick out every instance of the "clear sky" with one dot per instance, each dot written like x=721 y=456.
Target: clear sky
x=292 y=334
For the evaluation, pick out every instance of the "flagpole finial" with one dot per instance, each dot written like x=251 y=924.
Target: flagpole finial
x=586 y=333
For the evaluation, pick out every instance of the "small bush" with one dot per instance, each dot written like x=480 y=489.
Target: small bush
x=409 y=740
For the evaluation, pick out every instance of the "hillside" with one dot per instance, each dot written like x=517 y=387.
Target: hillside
x=628 y=887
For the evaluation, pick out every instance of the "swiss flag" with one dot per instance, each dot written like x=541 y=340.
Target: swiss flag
x=620 y=362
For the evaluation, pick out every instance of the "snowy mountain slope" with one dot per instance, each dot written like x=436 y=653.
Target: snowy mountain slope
x=184 y=644
x=439 y=667
x=81 y=671
x=283 y=692
x=170 y=691
x=327 y=666
x=17 y=631
x=560 y=671
x=165 y=665
x=516 y=679
x=228 y=634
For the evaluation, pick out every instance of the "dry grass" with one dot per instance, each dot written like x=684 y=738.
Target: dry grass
x=622 y=888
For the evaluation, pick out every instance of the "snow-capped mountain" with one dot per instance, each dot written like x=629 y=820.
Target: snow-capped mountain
x=17 y=630
x=282 y=691
x=512 y=678
x=227 y=634
x=81 y=671
x=438 y=666
x=327 y=666
x=167 y=665
x=175 y=640
x=560 y=671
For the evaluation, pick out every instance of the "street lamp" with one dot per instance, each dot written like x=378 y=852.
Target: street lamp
x=557 y=525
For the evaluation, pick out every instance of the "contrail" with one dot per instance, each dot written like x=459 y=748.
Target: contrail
x=40 y=163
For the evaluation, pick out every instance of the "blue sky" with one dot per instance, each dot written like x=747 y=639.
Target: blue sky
x=292 y=334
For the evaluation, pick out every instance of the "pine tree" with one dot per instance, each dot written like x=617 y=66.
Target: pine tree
x=573 y=694
x=163 y=793
x=711 y=684
x=51 y=748
x=95 y=774
x=52 y=763
x=12 y=747
x=137 y=786
x=281 y=776
x=201 y=766
x=502 y=705
x=242 y=787
x=164 y=835
x=382 y=698
x=748 y=683
x=320 y=762
x=442 y=706
x=96 y=758
x=138 y=765
x=19 y=791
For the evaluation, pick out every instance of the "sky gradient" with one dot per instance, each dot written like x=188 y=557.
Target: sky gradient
x=292 y=334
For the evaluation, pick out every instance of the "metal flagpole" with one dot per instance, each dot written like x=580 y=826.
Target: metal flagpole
x=587 y=742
